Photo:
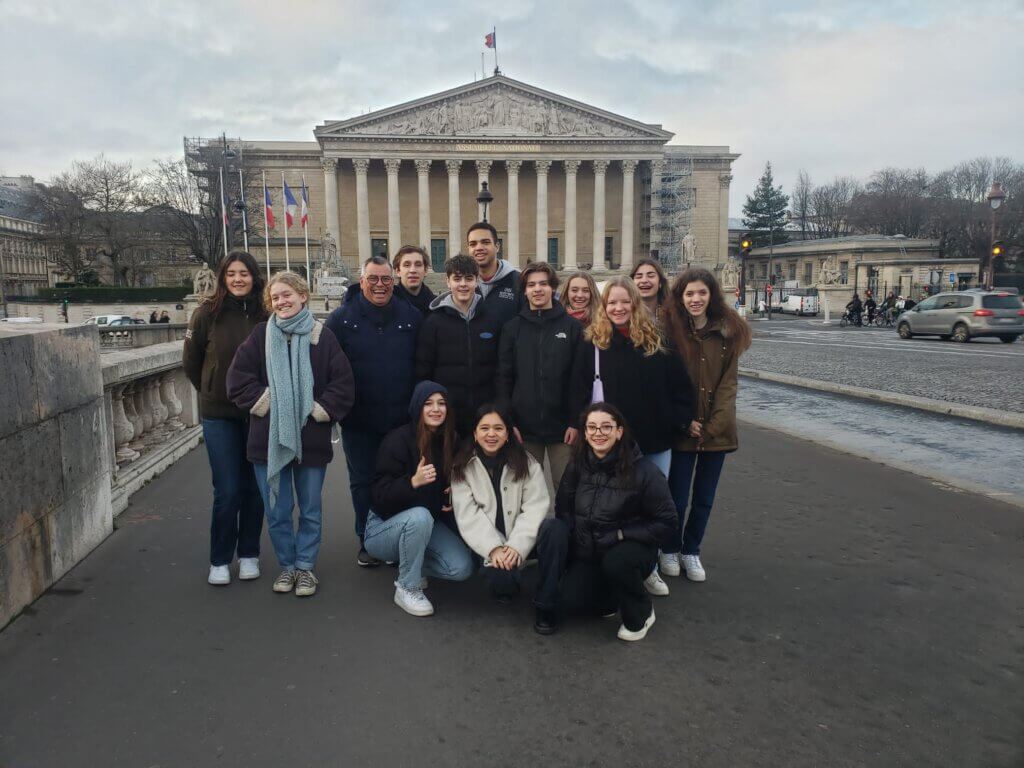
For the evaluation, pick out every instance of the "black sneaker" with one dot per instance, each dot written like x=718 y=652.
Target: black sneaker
x=366 y=560
x=546 y=623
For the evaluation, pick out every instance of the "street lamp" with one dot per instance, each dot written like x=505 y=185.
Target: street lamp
x=485 y=198
x=995 y=198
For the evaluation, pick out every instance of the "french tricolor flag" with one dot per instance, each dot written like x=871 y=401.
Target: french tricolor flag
x=268 y=207
x=290 y=206
x=304 y=218
x=491 y=39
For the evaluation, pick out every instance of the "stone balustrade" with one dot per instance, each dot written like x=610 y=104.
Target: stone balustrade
x=134 y=336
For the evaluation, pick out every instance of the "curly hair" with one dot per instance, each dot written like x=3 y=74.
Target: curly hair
x=679 y=324
x=293 y=280
x=642 y=330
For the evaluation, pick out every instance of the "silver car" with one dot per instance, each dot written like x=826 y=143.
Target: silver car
x=965 y=315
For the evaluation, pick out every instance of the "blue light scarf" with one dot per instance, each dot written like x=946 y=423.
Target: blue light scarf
x=290 y=375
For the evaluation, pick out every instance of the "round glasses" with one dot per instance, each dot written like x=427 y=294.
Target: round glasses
x=604 y=429
x=382 y=279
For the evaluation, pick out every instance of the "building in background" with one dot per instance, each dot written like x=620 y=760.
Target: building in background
x=24 y=254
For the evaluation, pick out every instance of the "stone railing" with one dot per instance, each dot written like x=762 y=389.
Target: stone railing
x=134 y=336
x=153 y=414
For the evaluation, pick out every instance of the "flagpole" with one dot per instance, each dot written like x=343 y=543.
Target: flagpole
x=266 y=225
x=483 y=71
x=223 y=213
x=494 y=33
x=305 y=222
x=287 y=261
x=245 y=216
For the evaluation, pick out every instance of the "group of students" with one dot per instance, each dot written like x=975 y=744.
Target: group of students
x=449 y=406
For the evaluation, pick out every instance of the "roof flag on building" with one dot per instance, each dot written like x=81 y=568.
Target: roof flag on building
x=268 y=204
x=290 y=206
x=491 y=40
x=304 y=217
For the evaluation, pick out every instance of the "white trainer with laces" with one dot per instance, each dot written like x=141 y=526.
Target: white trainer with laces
x=654 y=584
x=668 y=563
x=694 y=568
x=630 y=635
x=412 y=601
x=248 y=568
x=219 y=575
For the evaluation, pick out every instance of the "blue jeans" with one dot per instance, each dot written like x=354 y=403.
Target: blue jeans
x=361 y=459
x=421 y=546
x=294 y=550
x=705 y=483
x=661 y=460
x=237 y=518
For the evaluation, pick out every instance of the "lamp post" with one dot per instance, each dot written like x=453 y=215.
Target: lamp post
x=995 y=198
x=485 y=198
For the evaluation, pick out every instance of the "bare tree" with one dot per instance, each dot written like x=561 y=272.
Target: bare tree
x=65 y=230
x=800 y=208
x=831 y=205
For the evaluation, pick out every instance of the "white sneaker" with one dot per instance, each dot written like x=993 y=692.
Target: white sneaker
x=654 y=585
x=694 y=569
x=412 y=601
x=668 y=563
x=631 y=636
x=248 y=568
x=219 y=575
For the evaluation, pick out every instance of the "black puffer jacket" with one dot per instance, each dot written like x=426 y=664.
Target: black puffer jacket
x=538 y=351
x=461 y=355
x=596 y=504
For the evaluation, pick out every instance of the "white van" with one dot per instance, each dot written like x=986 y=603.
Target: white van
x=800 y=301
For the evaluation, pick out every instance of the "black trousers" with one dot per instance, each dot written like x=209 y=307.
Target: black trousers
x=550 y=552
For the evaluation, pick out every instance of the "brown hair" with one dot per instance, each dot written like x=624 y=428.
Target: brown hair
x=538 y=266
x=516 y=457
x=642 y=330
x=679 y=322
x=406 y=250
x=216 y=302
x=447 y=431
x=293 y=280
x=624 y=464
x=662 y=277
x=595 y=295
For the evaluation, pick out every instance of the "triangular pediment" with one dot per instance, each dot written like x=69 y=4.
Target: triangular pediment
x=497 y=107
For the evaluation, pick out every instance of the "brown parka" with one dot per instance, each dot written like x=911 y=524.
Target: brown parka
x=714 y=382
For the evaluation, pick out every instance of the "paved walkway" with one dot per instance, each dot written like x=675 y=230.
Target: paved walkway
x=854 y=616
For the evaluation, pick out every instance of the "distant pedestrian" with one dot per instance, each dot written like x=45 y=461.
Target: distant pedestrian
x=613 y=510
x=411 y=520
x=580 y=297
x=652 y=282
x=153 y=318
x=411 y=264
x=377 y=331
x=870 y=306
x=854 y=309
x=710 y=337
x=164 y=317
x=294 y=380
x=217 y=328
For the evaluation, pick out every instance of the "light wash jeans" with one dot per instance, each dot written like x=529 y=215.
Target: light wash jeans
x=662 y=460
x=294 y=549
x=421 y=546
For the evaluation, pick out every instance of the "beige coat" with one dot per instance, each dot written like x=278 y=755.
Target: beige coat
x=714 y=384
x=524 y=502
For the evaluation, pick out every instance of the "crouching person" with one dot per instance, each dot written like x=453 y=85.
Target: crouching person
x=294 y=380
x=410 y=518
x=500 y=499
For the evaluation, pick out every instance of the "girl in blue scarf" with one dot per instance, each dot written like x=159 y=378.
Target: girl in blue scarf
x=295 y=381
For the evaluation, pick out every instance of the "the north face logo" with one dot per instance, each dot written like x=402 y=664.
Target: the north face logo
x=561 y=335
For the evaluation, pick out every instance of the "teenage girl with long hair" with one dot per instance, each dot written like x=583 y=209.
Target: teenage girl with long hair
x=581 y=298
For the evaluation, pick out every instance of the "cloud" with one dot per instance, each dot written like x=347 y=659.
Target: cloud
x=834 y=87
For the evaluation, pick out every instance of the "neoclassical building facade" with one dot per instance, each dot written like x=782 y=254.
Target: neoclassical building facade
x=573 y=184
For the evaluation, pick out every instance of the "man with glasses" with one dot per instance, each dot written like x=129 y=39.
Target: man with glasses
x=377 y=332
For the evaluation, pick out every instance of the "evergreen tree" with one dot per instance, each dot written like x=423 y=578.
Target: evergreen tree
x=764 y=212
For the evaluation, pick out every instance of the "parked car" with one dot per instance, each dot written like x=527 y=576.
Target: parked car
x=965 y=315
x=801 y=301
x=107 y=320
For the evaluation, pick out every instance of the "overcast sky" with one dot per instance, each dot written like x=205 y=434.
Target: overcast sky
x=833 y=87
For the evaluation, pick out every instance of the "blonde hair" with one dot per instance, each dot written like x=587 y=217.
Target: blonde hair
x=293 y=280
x=593 y=309
x=642 y=330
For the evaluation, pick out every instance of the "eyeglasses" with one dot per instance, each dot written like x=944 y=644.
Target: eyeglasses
x=604 y=429
x=382 y=279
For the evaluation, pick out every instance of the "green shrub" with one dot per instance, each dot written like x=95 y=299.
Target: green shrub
x=113 y=294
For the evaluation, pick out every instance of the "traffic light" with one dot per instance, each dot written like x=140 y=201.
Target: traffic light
x=746 y=243
x=997 y=249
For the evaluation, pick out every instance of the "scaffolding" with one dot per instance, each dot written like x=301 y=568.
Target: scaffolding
x=672 y=211
x=204 y=158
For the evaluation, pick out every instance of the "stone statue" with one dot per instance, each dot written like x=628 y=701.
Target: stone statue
x=204 y=281
x=689 y=248
x=328 y=251
x=829 y=272
x=730 y=274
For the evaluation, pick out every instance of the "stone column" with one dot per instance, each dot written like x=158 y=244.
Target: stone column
x=423 y=185
x=628 y=168
x=512 y=246
x=571 y=167
x=392 y=165
x=483 y=173
x=724 y=180
x=330 y=166
x=657 y=169
x=362 y=165
x=542 y=166
x=454 y=223
x=600 y=167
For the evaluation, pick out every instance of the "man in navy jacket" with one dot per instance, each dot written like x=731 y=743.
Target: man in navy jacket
x=377 y=332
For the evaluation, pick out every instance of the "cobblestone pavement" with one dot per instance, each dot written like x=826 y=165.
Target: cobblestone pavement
x=984 y=372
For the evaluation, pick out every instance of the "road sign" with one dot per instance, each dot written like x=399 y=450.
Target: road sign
x=952 y=278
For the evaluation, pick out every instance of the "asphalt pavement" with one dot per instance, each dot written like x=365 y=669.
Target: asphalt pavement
x=983 y=372
x=854 y=615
